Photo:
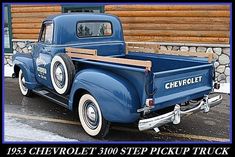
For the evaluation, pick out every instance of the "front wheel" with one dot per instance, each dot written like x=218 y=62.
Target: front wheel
x=91 y=117
x=24 y=90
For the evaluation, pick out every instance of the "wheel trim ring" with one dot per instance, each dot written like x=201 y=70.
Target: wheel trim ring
x=59 y=84
x=91 y=124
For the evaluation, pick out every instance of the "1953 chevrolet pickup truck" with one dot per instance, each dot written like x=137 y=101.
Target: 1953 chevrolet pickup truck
x=82 y=62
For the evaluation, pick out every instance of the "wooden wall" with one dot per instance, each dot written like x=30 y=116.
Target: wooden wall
x=26 y=19
x=174 y=23
x=160 y=23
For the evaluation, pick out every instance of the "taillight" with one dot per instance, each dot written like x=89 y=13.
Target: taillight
x=149 y=102
x=216 y=85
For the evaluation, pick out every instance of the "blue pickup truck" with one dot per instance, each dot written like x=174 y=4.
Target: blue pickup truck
x=82 y=62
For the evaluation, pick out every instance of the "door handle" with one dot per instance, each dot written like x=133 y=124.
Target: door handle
x=46 y=49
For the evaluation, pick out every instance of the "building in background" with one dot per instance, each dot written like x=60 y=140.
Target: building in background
x=194 y=28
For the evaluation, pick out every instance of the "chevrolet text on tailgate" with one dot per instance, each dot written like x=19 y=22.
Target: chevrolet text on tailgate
x=82 y=62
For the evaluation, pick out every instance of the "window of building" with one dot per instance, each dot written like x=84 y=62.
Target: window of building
x=7 y=29
x=83 y=8
x=94 y=29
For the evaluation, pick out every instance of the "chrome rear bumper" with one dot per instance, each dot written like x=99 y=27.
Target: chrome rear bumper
x=174 y=116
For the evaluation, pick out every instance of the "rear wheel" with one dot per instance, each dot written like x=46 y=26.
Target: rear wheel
x=24 y=90
x=91 y=117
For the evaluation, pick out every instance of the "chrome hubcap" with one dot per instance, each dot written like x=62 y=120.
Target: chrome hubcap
x=59 y=74
x=91 y=113
x=23 y=81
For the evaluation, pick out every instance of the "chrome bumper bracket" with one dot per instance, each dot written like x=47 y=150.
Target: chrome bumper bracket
x=176 y=116
x=205 y=106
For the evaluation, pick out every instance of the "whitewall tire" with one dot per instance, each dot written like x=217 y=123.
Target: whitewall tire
x=62 y=72
x=91 y=117
x=24 y=90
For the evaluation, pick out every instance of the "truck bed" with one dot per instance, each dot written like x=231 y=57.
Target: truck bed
x=165 y=70
x=162 y=63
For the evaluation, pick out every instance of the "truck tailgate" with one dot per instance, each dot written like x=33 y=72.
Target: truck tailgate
x=180 y=85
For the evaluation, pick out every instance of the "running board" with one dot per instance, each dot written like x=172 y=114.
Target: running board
x=59 y=99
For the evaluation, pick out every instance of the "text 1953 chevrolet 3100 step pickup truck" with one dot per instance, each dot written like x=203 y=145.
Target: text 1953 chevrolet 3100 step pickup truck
x=82 y=62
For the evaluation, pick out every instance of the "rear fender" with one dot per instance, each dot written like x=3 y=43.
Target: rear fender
x=118 y=100
x=25 y=63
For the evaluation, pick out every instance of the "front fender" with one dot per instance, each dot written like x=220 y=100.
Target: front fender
x=117 y=98
x=25 y=63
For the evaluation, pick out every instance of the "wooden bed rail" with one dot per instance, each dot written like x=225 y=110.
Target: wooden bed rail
x=81 y=51
x=155 y=48
x=92 y=55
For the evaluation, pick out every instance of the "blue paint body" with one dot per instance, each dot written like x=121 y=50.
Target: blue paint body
x=119 y=89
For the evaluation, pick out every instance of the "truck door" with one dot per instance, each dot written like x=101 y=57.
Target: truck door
x=42 y=54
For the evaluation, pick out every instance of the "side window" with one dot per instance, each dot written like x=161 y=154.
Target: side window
x=42 y=37
x=47 y=33
x=94 y=29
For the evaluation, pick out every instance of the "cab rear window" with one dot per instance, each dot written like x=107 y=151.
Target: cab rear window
x=94 y=29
